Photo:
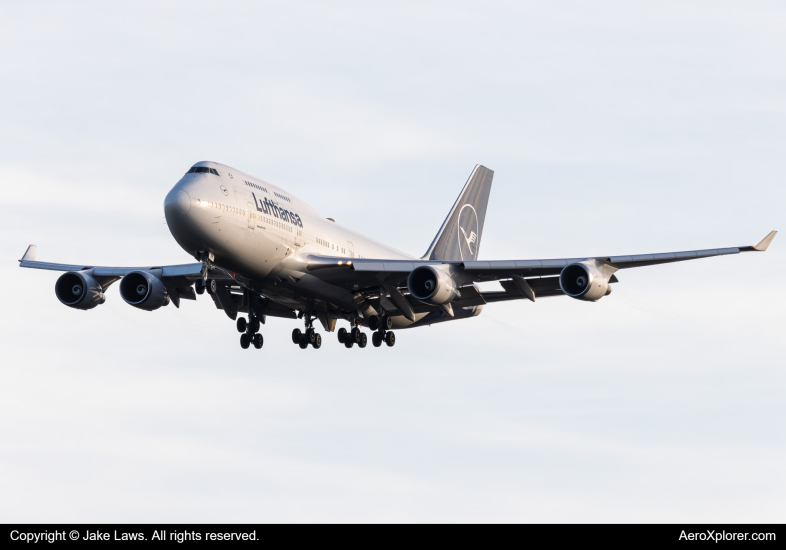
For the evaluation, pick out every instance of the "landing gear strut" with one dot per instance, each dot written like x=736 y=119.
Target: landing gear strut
x=382 y=333
x=375 y=323
x=250 y=332
x=250 y=328
x=309 y=337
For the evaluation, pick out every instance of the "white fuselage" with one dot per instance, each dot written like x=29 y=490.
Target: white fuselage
x=251 y=225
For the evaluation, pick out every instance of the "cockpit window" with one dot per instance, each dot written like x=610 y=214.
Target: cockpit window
x=202 y=170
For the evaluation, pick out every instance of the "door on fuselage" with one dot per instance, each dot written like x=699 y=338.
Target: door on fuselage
x=252 y=215
x=350 y=249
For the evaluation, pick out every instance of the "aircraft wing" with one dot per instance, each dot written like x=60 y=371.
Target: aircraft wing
x=369 y=273
x=177 y=278
x=182 y=270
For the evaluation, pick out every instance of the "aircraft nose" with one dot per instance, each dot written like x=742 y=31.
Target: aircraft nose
x=177 y=203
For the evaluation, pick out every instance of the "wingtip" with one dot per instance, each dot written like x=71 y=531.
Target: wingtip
x=765 y=242
x=29 y=254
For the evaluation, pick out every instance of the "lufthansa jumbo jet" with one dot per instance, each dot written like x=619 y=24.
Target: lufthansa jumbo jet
x=263 y=252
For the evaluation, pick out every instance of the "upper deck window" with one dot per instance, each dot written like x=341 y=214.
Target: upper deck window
x=255 y=186
x=202 y=170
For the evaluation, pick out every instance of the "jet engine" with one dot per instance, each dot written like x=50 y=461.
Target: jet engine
x=143 y=290
x=79 y=290
x=584 y=282
x=430 y=284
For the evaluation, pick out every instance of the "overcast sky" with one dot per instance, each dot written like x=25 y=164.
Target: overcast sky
x=612 y=128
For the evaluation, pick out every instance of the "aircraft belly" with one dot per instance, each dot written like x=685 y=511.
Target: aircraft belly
x=309 y=286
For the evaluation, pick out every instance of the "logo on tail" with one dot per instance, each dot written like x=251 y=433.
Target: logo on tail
x=467 y=232
x=459 y=237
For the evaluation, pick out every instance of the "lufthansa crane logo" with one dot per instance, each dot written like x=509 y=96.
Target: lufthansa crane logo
x=468 y=232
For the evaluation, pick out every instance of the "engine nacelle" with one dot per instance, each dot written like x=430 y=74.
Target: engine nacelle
x=584 y=282
x=430 y=284
x=143 y=290
x=79 y=290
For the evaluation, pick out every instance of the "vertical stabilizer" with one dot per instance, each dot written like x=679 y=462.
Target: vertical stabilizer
x=459 y=236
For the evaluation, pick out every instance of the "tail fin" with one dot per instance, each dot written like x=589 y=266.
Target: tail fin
x=459 y=236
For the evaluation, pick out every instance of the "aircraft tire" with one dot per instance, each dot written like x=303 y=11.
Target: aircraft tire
x=317 y=341
x=258 y=341
x=363 y=340
x=254 y=325
x=212 y=286
x=387 y=323
x=355 y=335
x=303 y=343
x=348 y=343
x=373 y=322
x=376 y=339
x=241 y=324
x=311 y=335
x=296 y=335
x=199 y=287
x=342 y=335
x=245 y=341
x=390 y=339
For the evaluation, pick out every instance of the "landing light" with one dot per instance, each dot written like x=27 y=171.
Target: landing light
x=340 y=263
x=349 y=263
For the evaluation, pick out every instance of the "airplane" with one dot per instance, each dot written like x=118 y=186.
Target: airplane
x=263 y=252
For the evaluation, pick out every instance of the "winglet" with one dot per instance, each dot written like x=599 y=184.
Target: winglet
x=30 y=254
x=765 y=242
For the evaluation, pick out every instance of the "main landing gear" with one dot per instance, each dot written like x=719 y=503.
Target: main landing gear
x=309 y=337
x=382 y=334
x=352 y=337
x=250 y=330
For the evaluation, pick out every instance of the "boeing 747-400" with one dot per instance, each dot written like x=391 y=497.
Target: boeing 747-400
x=262 y=252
